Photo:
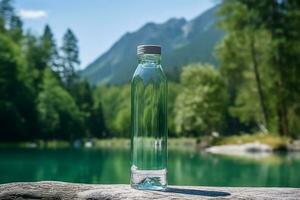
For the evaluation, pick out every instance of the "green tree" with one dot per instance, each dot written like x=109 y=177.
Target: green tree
x=36 y=59
x=7 y=12
x=33 y=101
x=91 y=109
x=200 y=106
x=40 y=53
x=17 y=109
x=16 y=29
x=51 y=53
x=9 y=21
x=269 y=31
x=59 y=115
x=243 y=50
x=116 y=108
x=173 y=90
x=282 y=20
x=96 y=123
x=70 y=57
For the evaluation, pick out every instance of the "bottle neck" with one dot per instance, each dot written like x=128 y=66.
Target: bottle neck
x=149 y=58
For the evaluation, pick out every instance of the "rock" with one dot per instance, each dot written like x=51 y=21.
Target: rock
x=241 y=149
x=294 y=145
x=49 y=190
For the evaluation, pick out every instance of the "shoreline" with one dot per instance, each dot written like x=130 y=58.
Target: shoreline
x=213 y=147
x=173 y=143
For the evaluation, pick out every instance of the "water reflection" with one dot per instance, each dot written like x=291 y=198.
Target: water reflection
x=112 y=166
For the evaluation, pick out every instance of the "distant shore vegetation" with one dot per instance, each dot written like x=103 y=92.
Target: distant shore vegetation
x=254 y=88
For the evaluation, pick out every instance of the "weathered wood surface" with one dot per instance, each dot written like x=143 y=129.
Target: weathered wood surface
x=59 y=191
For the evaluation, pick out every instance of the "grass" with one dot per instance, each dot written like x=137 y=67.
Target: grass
x=275 y=141
x=52 y=144
x=182 y=143
x=113 y=142
x=13 y=144
x=173 y=143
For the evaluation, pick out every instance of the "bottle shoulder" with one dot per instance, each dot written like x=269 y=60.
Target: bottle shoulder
x=146 y=75
x=149 y=71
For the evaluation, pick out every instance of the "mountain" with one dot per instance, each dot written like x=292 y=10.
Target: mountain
x=182 y=42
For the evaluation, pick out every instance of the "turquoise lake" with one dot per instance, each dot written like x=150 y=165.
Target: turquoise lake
x=113 y=166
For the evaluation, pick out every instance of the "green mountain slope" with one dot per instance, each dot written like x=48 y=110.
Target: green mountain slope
x=183 y=42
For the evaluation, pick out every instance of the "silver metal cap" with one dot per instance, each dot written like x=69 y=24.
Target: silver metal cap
x=148 y=49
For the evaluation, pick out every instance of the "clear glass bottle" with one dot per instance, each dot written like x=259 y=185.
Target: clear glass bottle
x=149 y=121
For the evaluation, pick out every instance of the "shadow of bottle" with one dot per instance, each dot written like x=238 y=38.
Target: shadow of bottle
x=207 y=193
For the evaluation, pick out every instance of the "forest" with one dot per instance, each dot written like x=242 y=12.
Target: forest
x=255 y=86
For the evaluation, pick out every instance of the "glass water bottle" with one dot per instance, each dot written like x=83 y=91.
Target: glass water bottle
x=149 y=121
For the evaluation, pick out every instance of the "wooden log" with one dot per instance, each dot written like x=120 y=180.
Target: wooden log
x=52 y=190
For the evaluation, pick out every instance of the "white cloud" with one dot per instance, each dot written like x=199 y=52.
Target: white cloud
x=32 y=14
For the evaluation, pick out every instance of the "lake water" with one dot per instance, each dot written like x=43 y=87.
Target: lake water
x=112 y=166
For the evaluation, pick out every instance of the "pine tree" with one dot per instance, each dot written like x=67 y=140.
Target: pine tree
x=70 y=57
x=51 y=53
x=6 y=12
x=91 y=110
x=9 y=21
x=16 y=29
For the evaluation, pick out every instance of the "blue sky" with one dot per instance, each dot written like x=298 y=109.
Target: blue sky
x=99 y=23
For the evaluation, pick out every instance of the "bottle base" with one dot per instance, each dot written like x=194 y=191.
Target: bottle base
x=148 y=179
